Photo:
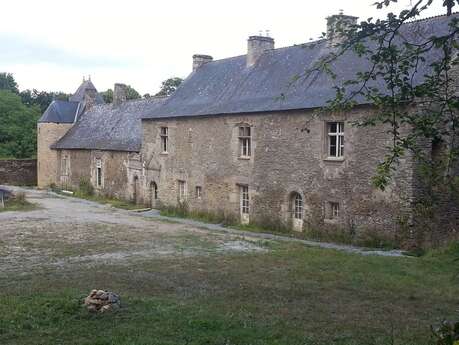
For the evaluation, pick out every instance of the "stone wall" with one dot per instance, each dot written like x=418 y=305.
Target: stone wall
x=119 y=170
x=18 y=172
x=47 y=135
x=288 y=155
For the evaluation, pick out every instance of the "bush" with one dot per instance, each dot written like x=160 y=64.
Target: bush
x=447 y=333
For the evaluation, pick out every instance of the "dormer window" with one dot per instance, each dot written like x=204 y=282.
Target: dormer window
x=245 y=141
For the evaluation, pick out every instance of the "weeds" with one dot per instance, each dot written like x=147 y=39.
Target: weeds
x=18 y=202
x=214 y=217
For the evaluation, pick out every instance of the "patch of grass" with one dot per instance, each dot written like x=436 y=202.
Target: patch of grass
x=213 y=217
x=85 y=193
x=18 y=203
x=293 y=295
x=261 y=229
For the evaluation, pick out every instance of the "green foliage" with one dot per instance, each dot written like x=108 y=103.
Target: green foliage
x=85 y=188
x=19 y=113
x=7 y=82
x=182 y=211
x=169 y=86
x=86 y=191
x=42 y=99
x=447 y=333
x=17 y=127
x=18 y=202
x=131 y=93
x=413 y=113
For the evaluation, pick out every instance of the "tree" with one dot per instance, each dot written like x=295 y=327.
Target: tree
x=131 y=93
x=7 y=82
x=41 y=98
x=17 y=126
x=429 y=108
x=169 y=86
x=420 y=109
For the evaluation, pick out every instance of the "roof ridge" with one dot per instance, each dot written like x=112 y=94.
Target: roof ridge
x=430 y=18
x=320 y=40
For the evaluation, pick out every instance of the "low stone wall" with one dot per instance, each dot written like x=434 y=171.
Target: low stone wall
x=21 y=172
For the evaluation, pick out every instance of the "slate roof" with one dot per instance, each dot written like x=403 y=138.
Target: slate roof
x=61 y=112
x=78 y=96
x=109 y=127
x=227 y=86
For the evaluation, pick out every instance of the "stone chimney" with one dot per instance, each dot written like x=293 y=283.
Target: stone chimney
x=256 y=46
x=199 y=60
x=336 y=27
x=89 y=98
x=119 y=94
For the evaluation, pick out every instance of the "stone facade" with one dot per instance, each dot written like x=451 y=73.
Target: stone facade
x=118 y=171
x=21 y=172
x=227 y=142
x=289 y=155
x=47 y=135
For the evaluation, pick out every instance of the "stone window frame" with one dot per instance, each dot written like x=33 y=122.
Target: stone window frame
x=338 y=135
x=244 y=199
x=198 y=192
x=99 y=173
x=333 y=210
x=182 y=190
x=245 y=135
x=297 y=205
x=164 y=139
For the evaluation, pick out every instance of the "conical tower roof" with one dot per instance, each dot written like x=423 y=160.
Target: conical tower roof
x=80 y=93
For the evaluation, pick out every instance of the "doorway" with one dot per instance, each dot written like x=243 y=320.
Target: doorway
x=153 y=194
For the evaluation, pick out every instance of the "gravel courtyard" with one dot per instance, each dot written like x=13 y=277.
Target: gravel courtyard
x=65 y=232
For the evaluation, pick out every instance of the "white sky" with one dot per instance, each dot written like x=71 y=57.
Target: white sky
x=51 y=44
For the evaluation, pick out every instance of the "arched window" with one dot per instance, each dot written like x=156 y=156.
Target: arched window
x=297 y=206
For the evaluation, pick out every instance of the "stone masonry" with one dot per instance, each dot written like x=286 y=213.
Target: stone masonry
x=289 y=155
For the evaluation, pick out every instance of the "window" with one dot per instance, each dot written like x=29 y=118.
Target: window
x=99 y=173
x=297 y=206
x=164 y=139
x=245 y=141
x=198 y=192
x=335 y=139
x=182 y=192
x=64 y=166
x=334 y=210
x=244 y=196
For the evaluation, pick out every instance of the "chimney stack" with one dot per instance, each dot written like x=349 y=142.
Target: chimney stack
x=199 y=60
x=119 y=94
x=337 y=25
x=256 y=46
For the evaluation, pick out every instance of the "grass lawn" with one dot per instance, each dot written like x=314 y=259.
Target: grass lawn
x=290 y=295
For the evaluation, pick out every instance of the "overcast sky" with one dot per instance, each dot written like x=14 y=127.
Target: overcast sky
x=51 y=44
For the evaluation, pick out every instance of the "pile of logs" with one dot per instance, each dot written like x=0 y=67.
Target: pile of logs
x=102 y=301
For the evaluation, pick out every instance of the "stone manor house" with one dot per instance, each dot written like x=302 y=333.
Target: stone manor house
x=226 y=141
